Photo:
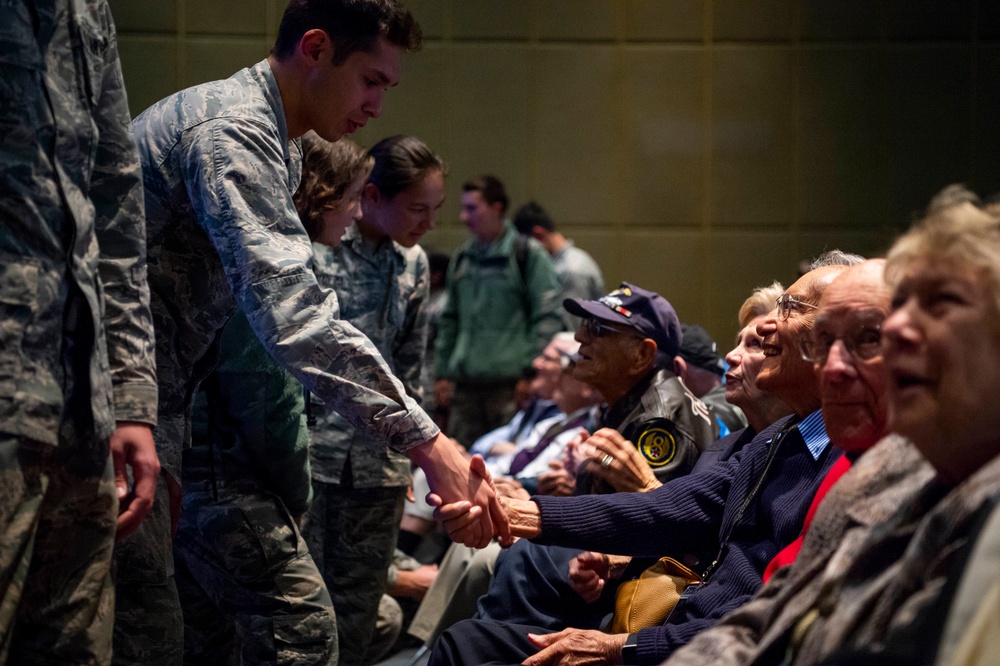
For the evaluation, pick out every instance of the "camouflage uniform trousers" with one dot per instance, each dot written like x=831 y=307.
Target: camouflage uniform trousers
x=249 y=588
x=351 y=533
x=476 y=409
x=148 y=626
x=57 y=515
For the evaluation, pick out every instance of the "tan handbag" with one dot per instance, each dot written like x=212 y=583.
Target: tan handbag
x=646 y=601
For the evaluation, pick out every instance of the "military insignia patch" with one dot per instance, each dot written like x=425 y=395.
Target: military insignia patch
x=658 y=446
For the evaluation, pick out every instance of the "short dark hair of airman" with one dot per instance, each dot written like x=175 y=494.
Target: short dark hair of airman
x=532 y=215
x=352 y=25
x=400 y=162
x=490 y=188
x=328 y=169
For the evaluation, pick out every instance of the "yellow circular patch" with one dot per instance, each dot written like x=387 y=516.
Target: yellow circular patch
x=657 y=446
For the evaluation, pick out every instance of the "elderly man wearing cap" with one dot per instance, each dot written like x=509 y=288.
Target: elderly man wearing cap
x=700 y=367
x=628 y=341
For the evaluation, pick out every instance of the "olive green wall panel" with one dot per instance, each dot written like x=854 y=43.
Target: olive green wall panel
x=695 y=147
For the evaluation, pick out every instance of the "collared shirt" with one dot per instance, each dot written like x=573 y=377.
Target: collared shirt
x=518 y=428
x=72 y=233
x=219 y=173
x=813 y=431
x=383 y=291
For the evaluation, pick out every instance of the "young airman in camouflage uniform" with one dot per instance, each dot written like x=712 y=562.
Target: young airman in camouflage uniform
x=76 y=349
x=221 y=161
x=249 y=588
x=383 y=287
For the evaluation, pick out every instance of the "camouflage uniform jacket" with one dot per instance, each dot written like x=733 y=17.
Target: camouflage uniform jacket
x=496 y=321
x=219 y=173
x=72 y=242
x=248 y=424
x=384 y=292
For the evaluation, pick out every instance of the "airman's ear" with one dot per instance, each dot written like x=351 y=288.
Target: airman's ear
x=315 y=46
x=680 y=366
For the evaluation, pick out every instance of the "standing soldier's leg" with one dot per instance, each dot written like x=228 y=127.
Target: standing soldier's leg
x=246 y=554
x=66 y=612
x=149 y=628
x=355 y=530
x=23 y=481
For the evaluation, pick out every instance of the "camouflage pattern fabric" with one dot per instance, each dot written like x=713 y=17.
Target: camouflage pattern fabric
x=148 y=627
x=353 y=551
x=247 y=585
x=248 y=422
x=219 y=174
x=76 y=348
x=383 y=291
x=219 y=171
x=250 y=590
x=61 y=193
x=58 y=513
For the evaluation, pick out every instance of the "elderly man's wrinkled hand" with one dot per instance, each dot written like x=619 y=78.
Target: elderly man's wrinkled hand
x=557 y=481
x=587 y=575
x=616 y=460
x=576 y=647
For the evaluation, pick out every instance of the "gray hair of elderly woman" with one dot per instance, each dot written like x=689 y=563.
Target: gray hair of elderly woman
x=760 y=302
x=957 y=230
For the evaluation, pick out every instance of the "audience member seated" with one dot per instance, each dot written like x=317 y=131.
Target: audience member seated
x=541 y=592
x=628 y=341
x=744 y=509
x=942 y=345
x=846 y=350
x=700 y=367
x=499 y=445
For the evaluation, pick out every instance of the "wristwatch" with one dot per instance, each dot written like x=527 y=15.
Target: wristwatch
x=630 y=651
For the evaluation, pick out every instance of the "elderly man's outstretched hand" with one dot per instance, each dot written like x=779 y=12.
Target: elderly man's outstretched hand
x=474 y=512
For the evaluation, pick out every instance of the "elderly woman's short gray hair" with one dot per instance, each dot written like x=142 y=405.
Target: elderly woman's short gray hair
x=760 y=302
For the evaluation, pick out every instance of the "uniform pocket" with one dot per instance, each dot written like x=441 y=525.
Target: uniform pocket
x=18 y=305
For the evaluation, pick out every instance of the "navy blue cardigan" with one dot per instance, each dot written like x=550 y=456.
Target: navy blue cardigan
x=693 y=514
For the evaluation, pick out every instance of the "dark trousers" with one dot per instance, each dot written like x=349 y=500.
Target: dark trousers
x=474 y=642
x=531 y=587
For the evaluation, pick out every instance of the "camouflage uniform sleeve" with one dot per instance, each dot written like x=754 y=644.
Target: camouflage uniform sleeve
x=235 y=171
x=544 y=289
x=447 y=332
x=116 y=191
x=412 y=348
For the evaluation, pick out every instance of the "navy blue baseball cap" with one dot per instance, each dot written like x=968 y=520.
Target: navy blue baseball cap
x=646 y=311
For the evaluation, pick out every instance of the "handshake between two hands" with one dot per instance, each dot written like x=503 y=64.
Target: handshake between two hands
x=606 y=453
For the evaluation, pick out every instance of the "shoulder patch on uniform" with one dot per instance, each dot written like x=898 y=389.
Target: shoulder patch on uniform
x=658 y=443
